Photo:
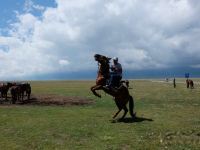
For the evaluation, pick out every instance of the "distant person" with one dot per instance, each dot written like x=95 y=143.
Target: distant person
x=174 y=82
x=115 y=74
x=187 y=83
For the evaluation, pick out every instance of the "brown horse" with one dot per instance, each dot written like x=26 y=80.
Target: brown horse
x=4 y=89
x=190 y=83
x=121 y=95
x=103 y=73
x=25 y=88
x=15 y=93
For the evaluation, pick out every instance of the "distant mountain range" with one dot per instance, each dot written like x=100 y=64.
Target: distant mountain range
x=128 y=74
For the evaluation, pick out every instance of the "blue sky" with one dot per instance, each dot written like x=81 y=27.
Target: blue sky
x=54 y=38
x=9 y=7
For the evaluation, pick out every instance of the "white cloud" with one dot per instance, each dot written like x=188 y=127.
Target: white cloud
x=29 y=6
x=63 y=62
x=150 y=34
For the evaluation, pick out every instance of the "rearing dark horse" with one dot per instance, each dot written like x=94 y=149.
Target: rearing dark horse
x=121 y=95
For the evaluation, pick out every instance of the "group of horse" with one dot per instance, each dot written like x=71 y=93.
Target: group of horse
x=17 y=91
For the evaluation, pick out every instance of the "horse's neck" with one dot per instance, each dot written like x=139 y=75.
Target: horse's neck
x=100 y=69
x=103 y=68
x=99 y=73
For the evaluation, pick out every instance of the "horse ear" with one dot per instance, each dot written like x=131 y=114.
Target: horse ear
x=97 y=55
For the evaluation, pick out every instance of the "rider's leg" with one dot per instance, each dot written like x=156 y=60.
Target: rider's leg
x=110 y=83
x=118 y=79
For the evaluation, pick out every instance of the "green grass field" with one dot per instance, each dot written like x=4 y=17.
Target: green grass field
x=168 y=118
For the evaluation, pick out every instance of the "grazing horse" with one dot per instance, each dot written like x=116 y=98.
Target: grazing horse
x=25 y=87
x=121 y=95
x=4 y=89
x=190 y=83
x=15 y=93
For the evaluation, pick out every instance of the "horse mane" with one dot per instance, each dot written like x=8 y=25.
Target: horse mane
x=102 y=58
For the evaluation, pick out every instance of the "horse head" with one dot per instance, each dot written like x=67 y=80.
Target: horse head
x=10 y=84
x=102 y=59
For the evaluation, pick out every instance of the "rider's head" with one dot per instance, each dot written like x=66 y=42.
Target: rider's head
x=115 y=59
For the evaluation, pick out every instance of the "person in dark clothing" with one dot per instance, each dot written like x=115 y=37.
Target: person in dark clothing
x=116 y=73
x=174 y=82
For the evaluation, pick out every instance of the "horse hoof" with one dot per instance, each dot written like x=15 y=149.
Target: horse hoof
x=120 y=119
x=134 y=115
x=99 y=96
x=113 y=121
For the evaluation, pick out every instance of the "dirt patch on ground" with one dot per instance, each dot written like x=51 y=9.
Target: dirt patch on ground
x=55 y=100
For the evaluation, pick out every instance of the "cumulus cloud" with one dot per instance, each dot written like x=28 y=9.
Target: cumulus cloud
x=144 y=35
x=63 y=62
x=29 y=6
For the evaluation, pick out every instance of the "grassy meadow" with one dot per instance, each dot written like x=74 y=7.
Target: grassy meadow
x=168 y=118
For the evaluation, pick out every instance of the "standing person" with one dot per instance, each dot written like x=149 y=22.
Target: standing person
x=174 y=82
x=187 y=83
x=116 y=73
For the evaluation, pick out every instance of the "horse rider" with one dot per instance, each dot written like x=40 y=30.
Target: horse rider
x=115 y=74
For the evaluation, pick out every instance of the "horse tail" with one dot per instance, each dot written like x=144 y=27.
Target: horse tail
x=131 y=106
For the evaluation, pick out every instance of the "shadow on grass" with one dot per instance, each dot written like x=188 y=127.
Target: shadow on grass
x=131 y=120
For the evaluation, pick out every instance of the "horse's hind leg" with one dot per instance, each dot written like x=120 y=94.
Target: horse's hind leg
x=120 y=107
x=125 y=112
x=117 y=113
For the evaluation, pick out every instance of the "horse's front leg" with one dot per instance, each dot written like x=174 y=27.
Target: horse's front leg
x=94 y=88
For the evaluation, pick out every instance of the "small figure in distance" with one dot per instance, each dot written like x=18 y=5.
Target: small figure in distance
x=174 y=82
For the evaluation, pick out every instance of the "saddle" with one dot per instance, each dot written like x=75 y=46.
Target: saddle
x=121 y=84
